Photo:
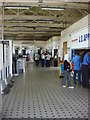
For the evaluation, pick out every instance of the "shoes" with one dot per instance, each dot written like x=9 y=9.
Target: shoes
x=71 y=87
x=64 y=86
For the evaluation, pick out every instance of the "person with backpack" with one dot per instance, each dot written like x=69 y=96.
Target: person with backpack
x=67 y=71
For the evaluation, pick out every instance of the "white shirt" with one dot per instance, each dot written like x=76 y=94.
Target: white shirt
x=48 y=57
x=43 y=56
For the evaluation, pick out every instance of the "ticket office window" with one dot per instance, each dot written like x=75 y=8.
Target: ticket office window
x=81 y=53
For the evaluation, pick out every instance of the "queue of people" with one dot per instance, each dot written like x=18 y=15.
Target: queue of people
x=45 y=59
x=79 y=67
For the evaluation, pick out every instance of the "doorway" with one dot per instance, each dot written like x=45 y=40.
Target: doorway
x=64 y=49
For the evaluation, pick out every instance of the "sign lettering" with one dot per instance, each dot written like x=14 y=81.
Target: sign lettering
x=82 y=38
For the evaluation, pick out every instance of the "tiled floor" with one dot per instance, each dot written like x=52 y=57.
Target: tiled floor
x=39 y=94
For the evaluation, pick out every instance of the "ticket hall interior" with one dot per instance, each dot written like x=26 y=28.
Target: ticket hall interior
x=44 y=59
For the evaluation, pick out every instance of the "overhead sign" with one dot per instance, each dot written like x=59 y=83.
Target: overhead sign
x=82 y=38
x=75 y=40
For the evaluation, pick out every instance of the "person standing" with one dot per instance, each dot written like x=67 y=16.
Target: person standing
x=77 y=67
x=37 y=58
x=85 y=69
x=48 y=57
x=67 y=72
x=43 y=58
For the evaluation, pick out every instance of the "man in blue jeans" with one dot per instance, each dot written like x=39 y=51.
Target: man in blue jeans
x=77 y=67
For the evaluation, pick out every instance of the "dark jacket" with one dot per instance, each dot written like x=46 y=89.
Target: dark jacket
x=66 y=65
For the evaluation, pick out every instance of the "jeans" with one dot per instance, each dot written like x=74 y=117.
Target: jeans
x=85 y=76
x=79 y=80
x=47 y=63
x=42 y=62
x=67 y=77
x=37 y=62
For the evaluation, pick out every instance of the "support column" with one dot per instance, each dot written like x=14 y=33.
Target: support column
x=10 y=57
x=0 y=59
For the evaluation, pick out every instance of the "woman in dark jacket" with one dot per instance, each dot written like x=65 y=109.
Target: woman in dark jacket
x=67 y=72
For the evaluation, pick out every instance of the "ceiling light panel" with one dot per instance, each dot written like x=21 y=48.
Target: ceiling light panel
x=16 y=7
x=47 y=21
x=52 y=8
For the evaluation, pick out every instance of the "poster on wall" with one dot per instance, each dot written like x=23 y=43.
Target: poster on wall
x=61 y=54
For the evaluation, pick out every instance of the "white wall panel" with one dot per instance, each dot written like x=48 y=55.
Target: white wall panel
x=10 y=56
x=1 y=57
x=77 y=35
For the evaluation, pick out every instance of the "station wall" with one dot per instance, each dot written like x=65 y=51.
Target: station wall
x=77 y=36
x=53 y=43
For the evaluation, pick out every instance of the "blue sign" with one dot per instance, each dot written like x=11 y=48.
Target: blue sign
x=73 y=53
x=84 y=37
x=62 y=68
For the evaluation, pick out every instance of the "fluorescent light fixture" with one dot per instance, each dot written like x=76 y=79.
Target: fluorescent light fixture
x=52 y=8
x=18 y=21
x=16 y=7
x=47 y=21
